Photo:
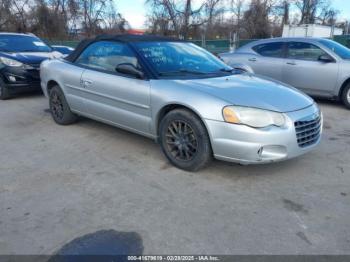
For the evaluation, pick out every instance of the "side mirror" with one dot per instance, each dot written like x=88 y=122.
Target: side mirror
x=129 y=69
x=325 y=59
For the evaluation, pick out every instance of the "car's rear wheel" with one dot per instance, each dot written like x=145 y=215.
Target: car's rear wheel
x=345 y=97
x=59 y=107
x=4 y=92
x=184 y=140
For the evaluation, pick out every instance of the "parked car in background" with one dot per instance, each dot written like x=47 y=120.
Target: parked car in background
x=319 y=67
x=185 y=98
x=20 y=58
x=65 y=50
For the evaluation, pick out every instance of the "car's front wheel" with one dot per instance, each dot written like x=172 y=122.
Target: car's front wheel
x=184 y=140
x=59 y=107
x=4 y=92
x=345 y=97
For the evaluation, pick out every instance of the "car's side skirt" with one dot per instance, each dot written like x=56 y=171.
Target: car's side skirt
x=149 y=135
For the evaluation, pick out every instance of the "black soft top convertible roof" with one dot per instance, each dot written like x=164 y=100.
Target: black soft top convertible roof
x=125 y=38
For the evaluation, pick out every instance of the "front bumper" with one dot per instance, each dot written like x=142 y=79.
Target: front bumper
x=20 y=80
x=246 y=145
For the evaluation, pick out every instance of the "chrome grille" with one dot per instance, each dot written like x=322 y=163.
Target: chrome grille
x=308 y=130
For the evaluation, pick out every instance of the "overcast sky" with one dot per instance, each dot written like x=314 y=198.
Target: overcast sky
x=135 y=10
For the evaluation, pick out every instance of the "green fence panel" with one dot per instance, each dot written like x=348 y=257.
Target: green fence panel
x=63 y=42
x=222 y=45
x=343 y=39
x=214 y=46
x=217 y=46
x=245 y=41
x=197 y=42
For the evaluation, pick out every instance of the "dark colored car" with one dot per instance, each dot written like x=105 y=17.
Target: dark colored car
x=65 y=50
x=20 y=59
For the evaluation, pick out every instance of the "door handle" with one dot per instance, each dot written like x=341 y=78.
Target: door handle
x=252 y=59
x=291 y=63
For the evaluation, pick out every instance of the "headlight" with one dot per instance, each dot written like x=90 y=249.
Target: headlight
x=10 y=62
x=252 y=117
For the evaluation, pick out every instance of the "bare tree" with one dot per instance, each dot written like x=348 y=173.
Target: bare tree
x=20 y=8
x=212 y=10
x=328 y=15
x=57 y=19
x=256 y=19
x=5 y=13
x=181 y=14
x=165 y=10
x=312 y=11
x=236 y=8
x=285 y=6
x=115 y=22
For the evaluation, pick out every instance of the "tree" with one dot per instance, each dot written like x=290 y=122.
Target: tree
x=181 y=15
x=237 y=11
x=328 y=15
x=212 y=10
x=256 y=19
x=285 y=11
x=19 y=11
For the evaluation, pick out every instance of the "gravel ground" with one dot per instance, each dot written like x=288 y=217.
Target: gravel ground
x=60 y=183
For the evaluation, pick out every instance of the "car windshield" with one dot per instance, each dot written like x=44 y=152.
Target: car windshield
x=181 y=59
x=22 y=43
x=337 y=48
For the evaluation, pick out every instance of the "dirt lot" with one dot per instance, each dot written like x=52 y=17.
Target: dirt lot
x=60 y=183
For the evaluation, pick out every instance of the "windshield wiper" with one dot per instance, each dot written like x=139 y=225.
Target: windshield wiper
x=232 y=70
x=29 y=51
x=180 y=71
x=228 y=70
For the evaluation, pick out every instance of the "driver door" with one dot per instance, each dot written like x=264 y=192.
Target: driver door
x=110 y=96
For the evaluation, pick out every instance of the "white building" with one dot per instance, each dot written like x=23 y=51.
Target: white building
x=310 y=30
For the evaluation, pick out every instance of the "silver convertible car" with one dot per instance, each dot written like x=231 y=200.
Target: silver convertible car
x=317 y=66
x=183 y=97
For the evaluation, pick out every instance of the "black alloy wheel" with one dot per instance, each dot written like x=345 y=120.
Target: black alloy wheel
x=56 y=106
x=59 y=107
x=181 y=140
x=184 y=140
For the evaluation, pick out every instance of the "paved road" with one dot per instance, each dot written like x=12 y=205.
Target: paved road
x=61 y=183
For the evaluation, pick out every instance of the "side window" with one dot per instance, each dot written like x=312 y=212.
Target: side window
x=304 y=51
x=106 y=55
x=270 y=49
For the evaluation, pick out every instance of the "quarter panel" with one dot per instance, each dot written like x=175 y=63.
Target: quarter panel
x=343 y=76
x=68 y=77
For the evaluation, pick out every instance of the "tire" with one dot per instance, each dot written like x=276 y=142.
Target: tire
x=184 y=140
x=59 y=107
x=345 y=96
x=4 y=92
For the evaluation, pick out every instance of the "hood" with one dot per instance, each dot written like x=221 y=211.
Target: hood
x=32 y=57
x=252 y=91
